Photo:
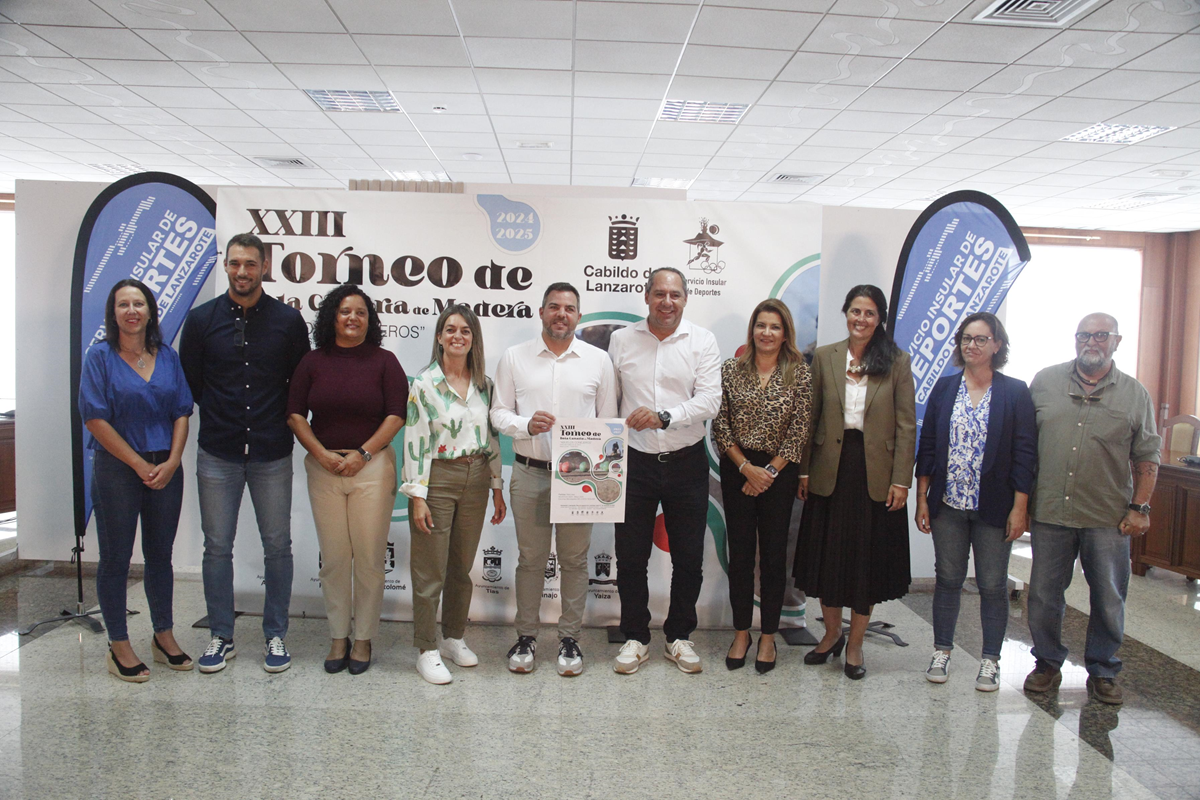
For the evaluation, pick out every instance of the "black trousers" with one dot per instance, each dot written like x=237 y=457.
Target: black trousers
x=679 y=481
x=757 y=525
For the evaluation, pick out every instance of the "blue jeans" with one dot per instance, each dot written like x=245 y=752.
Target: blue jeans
x=1104 y=555
x=220 y=485
x=119 y=497
x=955 y=534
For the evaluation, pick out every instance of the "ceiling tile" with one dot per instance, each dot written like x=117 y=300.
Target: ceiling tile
x=646 y=57
x=769 y=135
x=145 y=73
x=61 y=12
x=624 y=128
x=413 y=17
x=720 y=90
x=602 y=170
x=1132 y=84
x=860 y=138
x=55 y=114
x=742 y=163
x=297 y=119
x=440 y=139
x=1072 y=151
x=520 y=54
x=675 y=160
x=103 y=95
x=988 y=104
x=635 y=22
x=538 y=19
x=267 y=99
x=332 y=76
x=1083 y=110
x=1182 y=137
x=49 y=71
x=94 y=133
x=744 y=27
x=99 y=43
x=525 y=81
x=408 y=51
x=301 y=16
x=1165 y=114
x=959 y=76
x=540 y=179
x=1120 y=15
x=1100 y=168
x=609 y=159
x=756 y=150
x=331 y=135
x=217 y=46
x=196 y=16
x=426 y=102
x=224 y=117
x=176 y=97
x=943 y=125
x=380 y=151
x=1044 y=81
x=692 y=130
x=693 y=147
x=428 y=79
x=1145 y=155
x=308 y=48
x=732 y=62
x=910 y=101
x=608 y=144
x=367 y=120
x=1181 y=54
x=845 y=155
x=1037 y=130
x=925 y=143
x=611 y=108
x=876 y=121
x=137 y=116
x=519 y=105
x=240 y=134
x=966 y=42
x=238 y=76
x=611 y=84
x=830 y=96
x=532 y=126
x=1095 y=49
x=901 y=9
x=890 y=38
x=784 y=117
x=852 y=70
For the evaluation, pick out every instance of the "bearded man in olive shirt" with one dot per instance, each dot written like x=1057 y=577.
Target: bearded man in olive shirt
x=1093 y=422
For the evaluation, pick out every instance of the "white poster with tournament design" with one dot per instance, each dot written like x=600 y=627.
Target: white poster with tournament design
x=589 y=471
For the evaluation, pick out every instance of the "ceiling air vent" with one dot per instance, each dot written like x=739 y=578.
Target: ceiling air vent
x=284 y=163
x=118 y=169
x=1104 y=133
x=1034 y=13
x=803 y=180
x=353 y=100
x=1137 y=201
x=702 y=111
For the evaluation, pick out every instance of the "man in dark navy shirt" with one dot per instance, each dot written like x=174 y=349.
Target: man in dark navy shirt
x=239 y=352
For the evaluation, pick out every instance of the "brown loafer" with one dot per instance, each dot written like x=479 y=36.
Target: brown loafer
x=1043 y=678
x=1105 y=690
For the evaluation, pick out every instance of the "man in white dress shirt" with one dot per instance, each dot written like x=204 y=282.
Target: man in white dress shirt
x=669 y=374
x=554 y=376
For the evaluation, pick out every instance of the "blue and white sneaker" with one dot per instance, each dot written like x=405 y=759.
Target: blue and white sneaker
x=276 y=658
x=218 y=652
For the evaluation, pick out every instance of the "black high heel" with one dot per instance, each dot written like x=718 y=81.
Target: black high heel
x=336 y=665
x=813 y=657
x=736 y=663
x=855 y=672
x=357 y=667
x=128 y=674
x=180 y=663
x=763 y=667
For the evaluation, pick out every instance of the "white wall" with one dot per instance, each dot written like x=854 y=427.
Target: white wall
x=858 y=246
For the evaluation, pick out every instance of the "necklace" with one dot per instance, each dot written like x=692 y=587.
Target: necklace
x=857 y=369
x=141 y=360
x=1083 y=379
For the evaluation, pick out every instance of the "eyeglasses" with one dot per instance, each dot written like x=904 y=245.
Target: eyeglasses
x=979 y=341
x=1100 y=336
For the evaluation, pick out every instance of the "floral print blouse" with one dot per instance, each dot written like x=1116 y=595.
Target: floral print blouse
x=968 y=438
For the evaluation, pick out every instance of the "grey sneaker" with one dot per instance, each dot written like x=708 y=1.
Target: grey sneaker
x=520 y=655
x=683 y=653
x=631 y=656
x=939 y=667
x=989 y=676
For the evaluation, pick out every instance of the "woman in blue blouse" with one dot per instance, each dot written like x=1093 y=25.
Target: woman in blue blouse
x=975 y=469
x=135 y=402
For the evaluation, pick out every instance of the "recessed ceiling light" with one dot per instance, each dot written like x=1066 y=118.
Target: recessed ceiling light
x=1036 y=13
x=473 y=156
x=1171 y=173
x=118 y=169
x=353 y=100
x=417 y=175
x=702 y=111
x=664 y=183
x=534 y=145
x=1137 y=200
x=1104 y=133
x=438 y=109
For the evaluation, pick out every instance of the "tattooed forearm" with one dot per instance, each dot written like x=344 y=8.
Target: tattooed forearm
x=1147 y=468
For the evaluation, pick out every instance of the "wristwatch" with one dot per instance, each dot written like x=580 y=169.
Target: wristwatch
x=665 y=418
x=771 y=469
x=1141 y=508
x=366 y=456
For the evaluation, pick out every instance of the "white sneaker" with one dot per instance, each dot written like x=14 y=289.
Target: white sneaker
x=683 y=653
x=989 y=676
x=570 y=658
x=939 y=667
x=457 y=651
x=631 y=656
x=430 y=665
x=521 y=655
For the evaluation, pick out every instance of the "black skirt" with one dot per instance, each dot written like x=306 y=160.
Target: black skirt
x=852 y=551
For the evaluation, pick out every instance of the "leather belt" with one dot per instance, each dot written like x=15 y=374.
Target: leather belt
x=532 y=462
x=467 y=459
x=673 y=454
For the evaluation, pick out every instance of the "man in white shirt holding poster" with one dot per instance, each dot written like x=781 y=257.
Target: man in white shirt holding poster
x=550 y=378
x=669 y=373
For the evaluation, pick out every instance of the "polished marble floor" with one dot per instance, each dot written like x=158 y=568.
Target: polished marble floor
x=68 y=729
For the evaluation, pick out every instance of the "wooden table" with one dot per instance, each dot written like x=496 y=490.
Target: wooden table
x=1173 y=541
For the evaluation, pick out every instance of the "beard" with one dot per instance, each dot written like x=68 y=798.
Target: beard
x=558 y=336
x=1091 y=362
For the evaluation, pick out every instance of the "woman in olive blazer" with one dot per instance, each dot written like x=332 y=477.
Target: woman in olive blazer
x=856 y=472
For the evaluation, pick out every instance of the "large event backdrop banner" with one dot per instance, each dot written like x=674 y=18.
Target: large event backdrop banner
x=414 y=253
x=157 y=228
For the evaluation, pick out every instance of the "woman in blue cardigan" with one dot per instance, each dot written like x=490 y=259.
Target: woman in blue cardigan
x=975 y=469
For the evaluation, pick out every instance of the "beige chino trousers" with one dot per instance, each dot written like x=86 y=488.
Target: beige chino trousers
x=441 y=561
x=353 y=516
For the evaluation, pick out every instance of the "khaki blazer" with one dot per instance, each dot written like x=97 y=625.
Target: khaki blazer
x=889 y=424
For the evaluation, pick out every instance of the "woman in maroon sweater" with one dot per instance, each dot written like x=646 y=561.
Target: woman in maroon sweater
x=358 y=396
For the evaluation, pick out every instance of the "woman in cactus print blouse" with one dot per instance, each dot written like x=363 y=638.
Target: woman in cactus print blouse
x=451 y=460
